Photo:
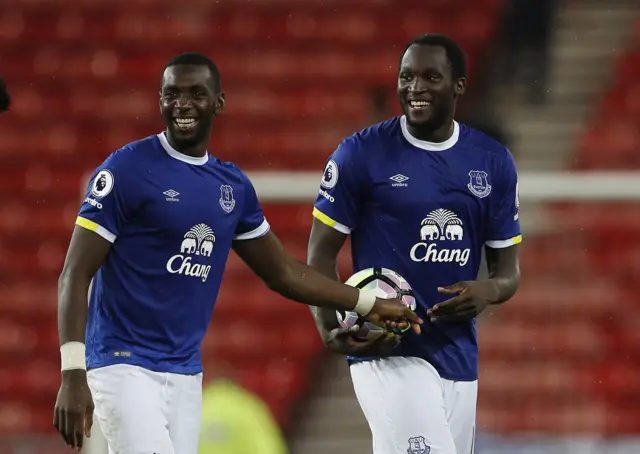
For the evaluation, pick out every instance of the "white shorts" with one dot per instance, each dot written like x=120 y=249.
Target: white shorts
x=145 y=412
x=410 y=409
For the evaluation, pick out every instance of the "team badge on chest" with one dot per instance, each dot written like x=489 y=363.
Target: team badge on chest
x=227 y=202
x=478 y=183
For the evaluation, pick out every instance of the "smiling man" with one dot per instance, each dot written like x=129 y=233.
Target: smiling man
x=155 y=229
x=421 y=194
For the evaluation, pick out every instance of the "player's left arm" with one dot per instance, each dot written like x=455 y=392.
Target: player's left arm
x=504 y=234
x=503 y=238
x=504 y=271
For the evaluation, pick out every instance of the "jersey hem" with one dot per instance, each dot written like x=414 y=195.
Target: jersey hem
x=444 y=375
x=96 y=228
x=501 y=244
x=181 y=370
x=320 y=216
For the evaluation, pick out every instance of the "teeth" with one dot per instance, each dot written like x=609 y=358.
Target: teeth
x=185 y=122
x=419 y=103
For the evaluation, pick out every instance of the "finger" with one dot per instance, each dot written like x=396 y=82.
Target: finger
x=78 y=431
x=449 y=306
x=413 y=319
x=412 y=316
x=62 y=426
x=395 y=327
x=452 y=289
x=56 y=418
x=88 y=422
x=71 y=428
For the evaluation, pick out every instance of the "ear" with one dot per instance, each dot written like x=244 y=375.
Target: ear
x=220 y=103
x=460 y=86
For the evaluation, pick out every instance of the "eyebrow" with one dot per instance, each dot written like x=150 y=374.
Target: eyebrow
x=187 y=87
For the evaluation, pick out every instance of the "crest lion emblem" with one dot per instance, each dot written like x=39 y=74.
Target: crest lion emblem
x=478 y=183
x=227 y=202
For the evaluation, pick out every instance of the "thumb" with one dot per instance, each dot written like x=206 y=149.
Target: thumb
x=452 y=289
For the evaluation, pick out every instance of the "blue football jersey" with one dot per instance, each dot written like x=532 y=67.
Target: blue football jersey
x=171 y=219
x=424 y=210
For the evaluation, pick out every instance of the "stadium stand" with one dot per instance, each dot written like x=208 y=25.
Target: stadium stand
x=85 y=76
x=569 y=371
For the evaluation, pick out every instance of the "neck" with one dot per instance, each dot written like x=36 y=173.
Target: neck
x=196 y=150
x=438 y=135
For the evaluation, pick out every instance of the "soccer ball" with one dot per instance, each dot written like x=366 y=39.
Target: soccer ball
x=383 y=283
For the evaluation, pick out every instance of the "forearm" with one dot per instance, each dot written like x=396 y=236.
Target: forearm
x=72 y=308
x=325 y=319
x=306 y=285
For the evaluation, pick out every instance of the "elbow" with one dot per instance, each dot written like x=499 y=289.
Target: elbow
x=70 y=282
x=63 y=280
x=509 y=287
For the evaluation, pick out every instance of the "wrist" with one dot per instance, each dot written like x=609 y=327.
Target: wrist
x=365 y=303
x=73 y=356
x=74 y=376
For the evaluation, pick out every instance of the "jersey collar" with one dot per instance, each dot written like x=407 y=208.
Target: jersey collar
x=175 y=154
x=430 y=146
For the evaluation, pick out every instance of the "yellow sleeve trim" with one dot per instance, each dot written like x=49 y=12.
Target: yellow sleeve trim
x=95 y=227
x=320 y=216
x=87 y=224
x=499 y=244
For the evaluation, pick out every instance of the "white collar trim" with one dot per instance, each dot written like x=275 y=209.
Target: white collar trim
x=431 y=146
x=175 y=154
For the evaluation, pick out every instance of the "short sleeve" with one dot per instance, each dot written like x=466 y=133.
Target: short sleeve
x=110 y=199
x=504 y=225
x=252 y=223
x=341 y=188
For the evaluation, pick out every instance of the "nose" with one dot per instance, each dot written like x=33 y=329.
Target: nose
x=417 y=85
x=183 y=101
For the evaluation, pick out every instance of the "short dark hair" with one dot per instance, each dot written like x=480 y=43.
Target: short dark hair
x=195 y=58
x=456 y=56
x=5 y=99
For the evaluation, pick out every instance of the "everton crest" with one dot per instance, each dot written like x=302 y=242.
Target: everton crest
x=227 y=202
x=418 y=445
x=478 y=183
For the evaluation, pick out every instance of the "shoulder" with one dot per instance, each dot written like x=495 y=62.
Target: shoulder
x=228 y=172
x=377 y=134
x=372 y=139
x=498 y=153
x=129 y=157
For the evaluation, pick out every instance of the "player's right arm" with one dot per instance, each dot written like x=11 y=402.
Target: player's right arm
x=74 y=407
x=336 y=211
x=262 y=251
x=108 y=200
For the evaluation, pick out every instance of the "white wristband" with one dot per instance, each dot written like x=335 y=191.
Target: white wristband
x=72 y=355
x=366 y=301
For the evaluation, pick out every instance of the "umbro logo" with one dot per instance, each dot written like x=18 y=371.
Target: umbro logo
x=399 y=180
x=171 y=195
